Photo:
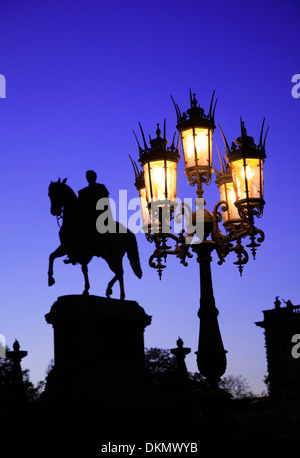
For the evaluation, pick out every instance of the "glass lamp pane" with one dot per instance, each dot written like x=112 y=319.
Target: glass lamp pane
x=249 y=170
x=196 y=148
x=224 y=197
x=147 y=181
x=232 y=210
x=144 y=206
x=157 y=172
x=172 y=180
x=160 y=171
x=227 y=193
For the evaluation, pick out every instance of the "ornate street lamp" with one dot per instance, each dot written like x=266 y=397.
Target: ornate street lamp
x=240 y=183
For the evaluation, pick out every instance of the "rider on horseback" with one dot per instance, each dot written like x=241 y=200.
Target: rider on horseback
x=87 y=200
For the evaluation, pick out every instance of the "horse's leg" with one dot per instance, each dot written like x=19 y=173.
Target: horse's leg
x=60 y=251
x=110 y=285
x=120 y=273
x=121 y=281
x=118 y=269
x=84 y=269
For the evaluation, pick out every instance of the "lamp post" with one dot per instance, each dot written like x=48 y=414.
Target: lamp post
x=240 y=183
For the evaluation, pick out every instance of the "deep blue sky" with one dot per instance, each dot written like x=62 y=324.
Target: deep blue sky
x=80 y=75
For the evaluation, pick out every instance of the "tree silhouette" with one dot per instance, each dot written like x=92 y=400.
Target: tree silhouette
x=161 y=365
x=237 y=386
x=7 y=384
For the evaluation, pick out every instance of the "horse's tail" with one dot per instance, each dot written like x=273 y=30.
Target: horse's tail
x=133 y=254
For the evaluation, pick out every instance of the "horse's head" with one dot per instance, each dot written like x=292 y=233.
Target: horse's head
x=55 y=194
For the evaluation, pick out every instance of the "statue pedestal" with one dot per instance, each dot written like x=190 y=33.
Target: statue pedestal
x=98 y=384
x=98 y=346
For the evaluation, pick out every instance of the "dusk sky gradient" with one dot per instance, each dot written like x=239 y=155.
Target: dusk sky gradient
x=79 y=77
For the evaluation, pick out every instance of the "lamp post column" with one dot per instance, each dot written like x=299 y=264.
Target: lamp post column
x=211 y=356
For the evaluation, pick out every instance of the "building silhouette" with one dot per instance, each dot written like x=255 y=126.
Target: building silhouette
x=280 y=325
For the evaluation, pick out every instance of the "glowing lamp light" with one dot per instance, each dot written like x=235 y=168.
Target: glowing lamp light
x=144 y=207
x=227 y=193
x=248 y=178
x=197 y=145
x=160 y=180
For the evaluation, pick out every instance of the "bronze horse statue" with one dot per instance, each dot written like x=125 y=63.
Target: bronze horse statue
x=80 y=248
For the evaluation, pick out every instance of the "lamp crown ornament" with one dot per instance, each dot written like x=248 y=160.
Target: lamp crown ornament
x=158 y=143
x=225 y=167
x=139 y=175
x=158 y=147
x=245 y=145
x=195 y=114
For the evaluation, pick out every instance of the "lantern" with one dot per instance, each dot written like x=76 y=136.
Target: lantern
x=246 y=163
x=160 y=169
x=227 y=194
x=196 y=131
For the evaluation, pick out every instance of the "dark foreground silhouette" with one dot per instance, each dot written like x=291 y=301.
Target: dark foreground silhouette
x=81 y=243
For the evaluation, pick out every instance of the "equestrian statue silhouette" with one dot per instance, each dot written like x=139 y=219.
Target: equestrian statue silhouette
x=79 y=238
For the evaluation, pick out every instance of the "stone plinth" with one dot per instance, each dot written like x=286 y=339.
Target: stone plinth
x=98 y=343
